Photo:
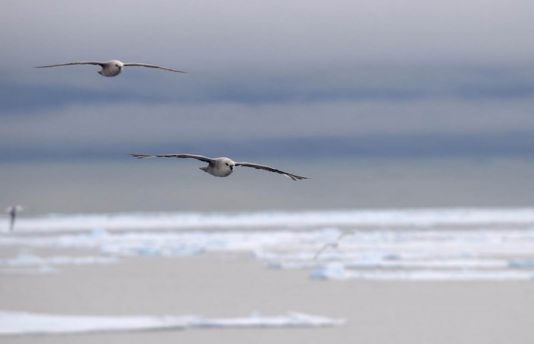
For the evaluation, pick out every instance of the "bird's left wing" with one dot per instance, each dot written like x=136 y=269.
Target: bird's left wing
x=74 y=63
x=322 y=249
x=153 y=66
x=270 y=169
x=183 y=156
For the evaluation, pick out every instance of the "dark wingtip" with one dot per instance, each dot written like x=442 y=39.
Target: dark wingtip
x=296 y=178
x=138 y=156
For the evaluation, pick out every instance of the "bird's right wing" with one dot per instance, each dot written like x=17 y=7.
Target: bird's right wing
x=183 y=156
x=73 y=63
x=322 y=249
x=153 y=66
x=270 y=169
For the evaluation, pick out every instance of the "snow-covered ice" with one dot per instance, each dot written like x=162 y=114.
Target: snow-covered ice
x=428 y=244
x=18 y=323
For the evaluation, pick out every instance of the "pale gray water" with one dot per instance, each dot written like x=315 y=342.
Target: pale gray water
x=163 y=185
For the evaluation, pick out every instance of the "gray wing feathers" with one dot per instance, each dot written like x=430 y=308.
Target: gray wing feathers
x=73 y=63
x=152 y=66
x=270 y=169
x=183 y=156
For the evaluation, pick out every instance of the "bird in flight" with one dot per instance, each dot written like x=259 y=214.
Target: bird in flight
x=220 y=167
x=333 y=245
x=113 y=67
x=12 y=211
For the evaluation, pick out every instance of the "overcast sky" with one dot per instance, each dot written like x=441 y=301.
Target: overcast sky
x=369 y=77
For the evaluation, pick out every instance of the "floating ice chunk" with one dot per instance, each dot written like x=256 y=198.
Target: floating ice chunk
x=186 y=250
x=99 y=233
x=147 y=251
x=422 y=275
x=330 y=271
x=522 y=264
x=29 y=263
x=31 y=323
x=30 y=260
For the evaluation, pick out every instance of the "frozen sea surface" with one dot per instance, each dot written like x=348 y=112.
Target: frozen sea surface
x=427 y=244
x=378 y=218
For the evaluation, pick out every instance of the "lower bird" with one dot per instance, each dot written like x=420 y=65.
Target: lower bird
x=113 y=67
x=220 y=167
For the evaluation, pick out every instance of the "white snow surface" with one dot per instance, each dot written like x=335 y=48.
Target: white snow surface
x=428 y=244
x=394 y=217
x=20 y=323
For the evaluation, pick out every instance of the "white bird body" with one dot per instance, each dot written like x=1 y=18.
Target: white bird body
x=220 y=167
x=112 y=67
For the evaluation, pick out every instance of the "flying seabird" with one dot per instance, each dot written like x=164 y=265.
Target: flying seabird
x=113 y=67
x=333 y=245
x=12 y=211
x=219 y=167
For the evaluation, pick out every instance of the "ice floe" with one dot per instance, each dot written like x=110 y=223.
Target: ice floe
x=20 y=323
x=398 y=218
x=468 y=244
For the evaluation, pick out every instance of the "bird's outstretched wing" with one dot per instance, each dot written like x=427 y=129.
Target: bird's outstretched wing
x=333 y=245
x=324 y=248
x=270 y=169
x=73 y=63
x=152 y=66
x=183 y=156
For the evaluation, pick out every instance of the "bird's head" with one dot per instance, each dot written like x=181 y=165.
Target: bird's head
x=229 y=163
x=116 y=63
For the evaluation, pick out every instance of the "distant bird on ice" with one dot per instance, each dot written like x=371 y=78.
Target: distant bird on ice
x=113 y=67
x=219 y=167
x=12 y=211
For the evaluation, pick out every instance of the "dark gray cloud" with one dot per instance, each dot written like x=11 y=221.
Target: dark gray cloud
x=272 y=78
x=370 y=83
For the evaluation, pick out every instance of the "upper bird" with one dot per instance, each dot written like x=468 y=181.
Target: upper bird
x=219 y=167
x=113 y=67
